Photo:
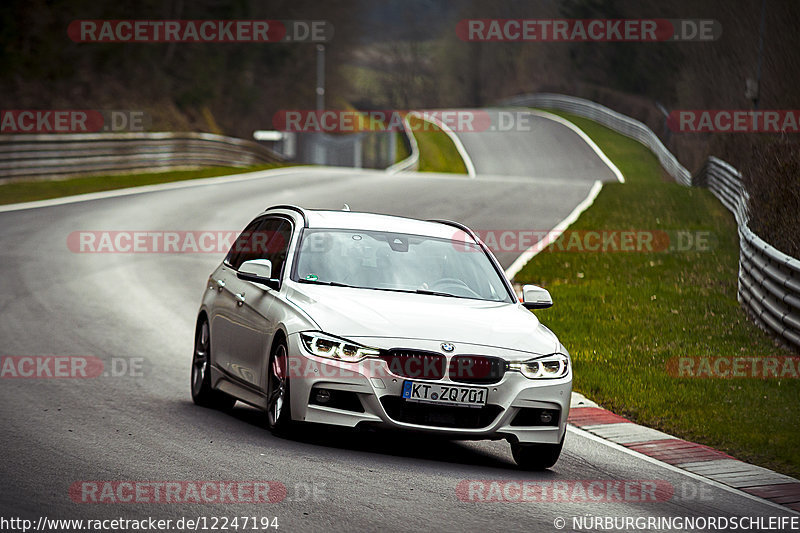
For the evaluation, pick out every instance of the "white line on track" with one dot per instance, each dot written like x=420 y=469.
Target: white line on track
x=676 y=469
x=185 y=184
x=554 y=233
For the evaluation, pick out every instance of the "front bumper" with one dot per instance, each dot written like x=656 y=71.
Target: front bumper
x=379 y=392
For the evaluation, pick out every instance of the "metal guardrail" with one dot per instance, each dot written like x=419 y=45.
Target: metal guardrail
x=769 y=280
x=607 y=117
x=52 y=155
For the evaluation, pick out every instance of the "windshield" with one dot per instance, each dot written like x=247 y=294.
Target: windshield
x=397 y=262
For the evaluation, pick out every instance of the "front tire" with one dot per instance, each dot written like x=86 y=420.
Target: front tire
x=536 y=456
x=279 y=409
x=202 y=392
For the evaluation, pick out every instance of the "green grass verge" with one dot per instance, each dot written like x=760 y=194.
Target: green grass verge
x=624 y=315
x=27 y=191
x=437 y=153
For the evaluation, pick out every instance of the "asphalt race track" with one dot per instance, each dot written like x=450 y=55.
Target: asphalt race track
x=141 y=307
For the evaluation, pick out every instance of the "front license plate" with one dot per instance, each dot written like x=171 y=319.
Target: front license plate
x=415 y=391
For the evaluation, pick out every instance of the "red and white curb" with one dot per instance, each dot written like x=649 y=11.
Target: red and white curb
x=692 y=457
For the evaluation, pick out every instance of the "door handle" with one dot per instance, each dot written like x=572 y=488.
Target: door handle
x=220 y=284
x=239 y=298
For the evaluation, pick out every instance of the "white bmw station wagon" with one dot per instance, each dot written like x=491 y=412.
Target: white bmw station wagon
x=360 y=319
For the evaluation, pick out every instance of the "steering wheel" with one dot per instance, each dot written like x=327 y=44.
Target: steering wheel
x=459 y=288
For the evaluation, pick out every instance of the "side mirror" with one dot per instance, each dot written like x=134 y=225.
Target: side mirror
x=258 y=271
x=535 y=297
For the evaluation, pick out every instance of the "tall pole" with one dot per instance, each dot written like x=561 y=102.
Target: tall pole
x=320 y=77
x=760 y=53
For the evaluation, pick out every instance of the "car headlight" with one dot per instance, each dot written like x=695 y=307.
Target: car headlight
x=551 y=367
x=327 y=346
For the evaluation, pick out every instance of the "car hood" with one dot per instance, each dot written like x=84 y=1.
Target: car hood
x=349 y=312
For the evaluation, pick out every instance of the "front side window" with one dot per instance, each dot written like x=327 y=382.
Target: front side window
x=266 y=238
x=241 y=250
x=278 y=233
x=398 y=262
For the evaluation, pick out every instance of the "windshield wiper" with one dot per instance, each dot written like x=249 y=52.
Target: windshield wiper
x=330 y=283
x=436 y=293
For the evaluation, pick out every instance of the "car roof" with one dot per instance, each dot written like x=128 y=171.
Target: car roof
x=355 y=220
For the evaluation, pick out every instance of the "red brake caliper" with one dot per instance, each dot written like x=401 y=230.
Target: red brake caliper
x=279 y=366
